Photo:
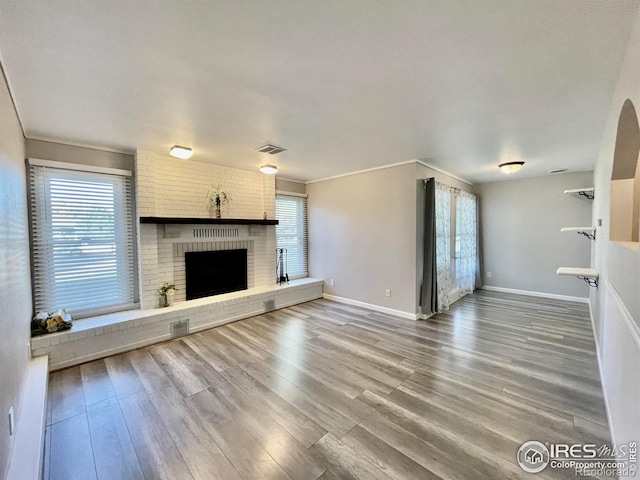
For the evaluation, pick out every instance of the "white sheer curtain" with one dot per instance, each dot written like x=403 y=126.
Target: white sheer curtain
x=443 y=245
x=468 y=231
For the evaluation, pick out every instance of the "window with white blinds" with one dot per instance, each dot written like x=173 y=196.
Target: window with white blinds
x=291 y=232
x=83 y=241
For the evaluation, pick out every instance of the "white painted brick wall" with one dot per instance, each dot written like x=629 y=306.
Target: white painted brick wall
x=169 y=187
x=110 y=334
x=160 y=264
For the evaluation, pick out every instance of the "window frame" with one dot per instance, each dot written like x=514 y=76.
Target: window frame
x=133 y=241
x=305 y=229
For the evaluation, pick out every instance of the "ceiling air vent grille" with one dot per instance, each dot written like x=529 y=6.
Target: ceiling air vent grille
x=271 y=149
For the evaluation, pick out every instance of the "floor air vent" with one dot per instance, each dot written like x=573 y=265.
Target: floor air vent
x=179 y=329
x=269 y=305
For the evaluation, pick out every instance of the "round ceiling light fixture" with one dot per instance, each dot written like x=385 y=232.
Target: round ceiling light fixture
x=269 y=169
x=510 y=167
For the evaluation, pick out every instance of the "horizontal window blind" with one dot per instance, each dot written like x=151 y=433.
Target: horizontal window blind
x=291 y=232
x=83 y=243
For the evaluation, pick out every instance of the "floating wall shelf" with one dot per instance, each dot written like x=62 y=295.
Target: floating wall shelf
x=589 y=232
x=589 y=275
x=588 y=192
x=206 y=221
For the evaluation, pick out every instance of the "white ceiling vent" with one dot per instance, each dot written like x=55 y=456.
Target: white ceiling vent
x=271 y=149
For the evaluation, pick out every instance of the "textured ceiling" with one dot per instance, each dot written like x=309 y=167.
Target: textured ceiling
x=343 y=85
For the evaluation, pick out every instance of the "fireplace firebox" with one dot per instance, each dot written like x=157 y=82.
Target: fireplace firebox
x=215 y=272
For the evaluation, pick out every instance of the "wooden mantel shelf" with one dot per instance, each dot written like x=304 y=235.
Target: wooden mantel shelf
x=206 y=221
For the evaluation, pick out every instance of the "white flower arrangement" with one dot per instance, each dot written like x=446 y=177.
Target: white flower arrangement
x=166 y=287
x=217 y=198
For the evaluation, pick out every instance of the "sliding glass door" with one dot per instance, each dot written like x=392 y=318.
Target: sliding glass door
x=463 y=244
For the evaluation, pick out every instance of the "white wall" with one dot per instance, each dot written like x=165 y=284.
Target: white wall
x=15 y=280
x=364 y=234
x=521 y=241
x=615 y=305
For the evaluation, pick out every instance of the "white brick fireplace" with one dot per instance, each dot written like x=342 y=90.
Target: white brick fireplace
x=169 y=187
x=162 y=255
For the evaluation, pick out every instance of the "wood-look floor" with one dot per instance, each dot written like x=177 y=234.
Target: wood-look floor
x=325 y=390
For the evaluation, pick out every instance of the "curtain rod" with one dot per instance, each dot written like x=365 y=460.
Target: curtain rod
x=455 y=189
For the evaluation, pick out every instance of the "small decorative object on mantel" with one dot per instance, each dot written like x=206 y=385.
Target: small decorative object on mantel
x=166 y=293
x=216 y=199
x=45 y=322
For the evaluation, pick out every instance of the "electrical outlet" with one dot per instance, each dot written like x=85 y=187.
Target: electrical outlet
x=599 y=222
x=488 y=274
x=12 y=425
x=332 y=282
x=387 y=292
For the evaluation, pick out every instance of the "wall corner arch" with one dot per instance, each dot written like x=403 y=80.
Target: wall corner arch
x=625 y=179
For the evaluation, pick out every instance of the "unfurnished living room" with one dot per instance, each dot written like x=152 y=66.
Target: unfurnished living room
x=294 y=240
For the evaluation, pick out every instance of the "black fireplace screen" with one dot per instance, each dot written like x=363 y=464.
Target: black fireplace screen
x=215 y=272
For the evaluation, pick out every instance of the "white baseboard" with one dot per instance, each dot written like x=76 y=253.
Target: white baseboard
x=27 y=455
x=536 y=294
x=371 y=306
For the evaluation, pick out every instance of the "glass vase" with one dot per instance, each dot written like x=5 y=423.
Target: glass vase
x=163 y=300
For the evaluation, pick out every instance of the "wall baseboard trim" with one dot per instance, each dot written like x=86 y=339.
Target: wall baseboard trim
x=371 y=306
x=536 y=294
x=27 y=455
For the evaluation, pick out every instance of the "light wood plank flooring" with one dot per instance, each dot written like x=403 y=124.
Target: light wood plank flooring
x=325 y=390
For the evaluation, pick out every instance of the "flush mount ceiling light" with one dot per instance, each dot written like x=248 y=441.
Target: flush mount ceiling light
x=271 y=149
x=181 y=152
x=510 y=167
x=269 y=169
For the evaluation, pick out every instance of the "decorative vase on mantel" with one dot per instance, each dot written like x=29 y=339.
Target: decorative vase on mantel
x=216 y=199
x=166 y=294
x=163 y=300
